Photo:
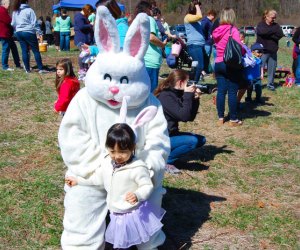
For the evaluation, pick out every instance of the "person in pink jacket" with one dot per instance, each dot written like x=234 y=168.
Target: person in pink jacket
x=228 y=79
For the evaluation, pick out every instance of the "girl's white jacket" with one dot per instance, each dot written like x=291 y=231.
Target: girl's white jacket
x=133 y=177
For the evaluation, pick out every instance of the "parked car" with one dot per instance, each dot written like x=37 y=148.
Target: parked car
x=248 y=30
x=287 y=29
x=179 y=31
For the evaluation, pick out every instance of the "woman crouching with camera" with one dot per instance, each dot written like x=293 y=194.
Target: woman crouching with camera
x=180 y=102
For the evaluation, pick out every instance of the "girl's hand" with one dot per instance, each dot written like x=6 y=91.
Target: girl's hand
x=198 y=93
x=71 y=181
x=131 y=198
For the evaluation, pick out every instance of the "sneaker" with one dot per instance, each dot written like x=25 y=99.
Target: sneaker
x=259 y=101
x=271 y=88
x=171 y=169
x=248 y=99
x=42 y=71
x=9 y=69
x=82 y=72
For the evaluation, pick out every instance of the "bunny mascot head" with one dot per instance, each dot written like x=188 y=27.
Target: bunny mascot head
x=117 y=84
x=117 y=74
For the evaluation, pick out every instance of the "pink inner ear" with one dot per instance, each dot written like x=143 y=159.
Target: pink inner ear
x=105 y=39
x=135 y=43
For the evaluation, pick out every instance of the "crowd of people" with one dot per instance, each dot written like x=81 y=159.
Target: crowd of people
x=177 y=100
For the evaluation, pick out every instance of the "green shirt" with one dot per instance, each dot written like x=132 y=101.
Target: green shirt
x=65 y=24
x=92 y=18
x=56 y=25
x=153 y=58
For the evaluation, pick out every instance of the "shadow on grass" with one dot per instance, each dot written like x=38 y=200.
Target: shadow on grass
x=194 y=160
x=249 y=109
x=186 y=210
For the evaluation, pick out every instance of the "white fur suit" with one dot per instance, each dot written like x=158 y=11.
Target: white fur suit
x=113 y=77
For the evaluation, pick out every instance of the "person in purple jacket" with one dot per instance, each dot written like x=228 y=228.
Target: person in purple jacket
x=82 y=27
x=83 y=33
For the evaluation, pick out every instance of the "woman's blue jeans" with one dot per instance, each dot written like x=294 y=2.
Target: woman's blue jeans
x=196 y=52
x=227 y=81
x=153 y=74
x=7 y=45
x=183 y=143
x=298 y=70
x=29 y=40
x=65 y=41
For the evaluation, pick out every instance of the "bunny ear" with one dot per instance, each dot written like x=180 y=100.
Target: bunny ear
x=146 y=115
x=137 y=38
x=106 y=32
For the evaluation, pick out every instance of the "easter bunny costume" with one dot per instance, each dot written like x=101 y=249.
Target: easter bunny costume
x=112 y=78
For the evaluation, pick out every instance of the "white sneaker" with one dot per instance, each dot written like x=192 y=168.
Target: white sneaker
x=171 y=169
x=9 y=69
x=42 y=71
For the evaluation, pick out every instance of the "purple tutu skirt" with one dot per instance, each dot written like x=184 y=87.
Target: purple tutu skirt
x=135 y=227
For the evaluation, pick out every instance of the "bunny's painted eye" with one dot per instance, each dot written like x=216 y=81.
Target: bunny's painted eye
x=124 y=80
x=107 y=76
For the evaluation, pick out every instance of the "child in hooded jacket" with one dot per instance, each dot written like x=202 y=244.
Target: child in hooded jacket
x=66 y=83
x=127 y=180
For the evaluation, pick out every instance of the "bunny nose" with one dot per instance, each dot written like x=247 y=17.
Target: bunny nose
x=114 y=90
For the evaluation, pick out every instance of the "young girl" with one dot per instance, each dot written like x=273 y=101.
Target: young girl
x=66 y=84
x=128 y=184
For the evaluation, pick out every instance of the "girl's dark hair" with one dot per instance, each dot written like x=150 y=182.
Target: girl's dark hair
x=112 y=6
x=120 y=134
x=142 y=7
x=170 y=82
x=17 y=4
x=192 y=8
x=66 y=64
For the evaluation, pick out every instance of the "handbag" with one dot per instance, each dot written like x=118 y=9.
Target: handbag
x=233 y=57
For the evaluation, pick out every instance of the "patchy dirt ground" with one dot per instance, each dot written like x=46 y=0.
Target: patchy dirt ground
x=234 y=193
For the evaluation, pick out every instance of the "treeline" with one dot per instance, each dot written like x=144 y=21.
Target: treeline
x=246 y=11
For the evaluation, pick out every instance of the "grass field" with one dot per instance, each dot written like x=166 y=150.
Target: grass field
x=240 y=191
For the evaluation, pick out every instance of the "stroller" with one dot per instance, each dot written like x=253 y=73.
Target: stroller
x=182 y=59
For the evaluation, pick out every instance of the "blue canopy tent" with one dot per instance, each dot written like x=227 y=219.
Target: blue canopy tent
x=78 y=4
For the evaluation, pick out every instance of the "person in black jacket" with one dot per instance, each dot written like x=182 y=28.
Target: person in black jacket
x=269 y=33
x=180 y=104
x=296 y=55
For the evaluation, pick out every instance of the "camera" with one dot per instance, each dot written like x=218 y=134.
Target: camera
x=204 y=88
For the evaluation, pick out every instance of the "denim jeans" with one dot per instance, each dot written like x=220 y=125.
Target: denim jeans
x=206 y=56
x=183 y=143
x=153 y=74
x=29 y=40
x=196 y=52
x=65 y=41
x=227 y=81
x=297 y=72
x=270 y=60
x=5 y=53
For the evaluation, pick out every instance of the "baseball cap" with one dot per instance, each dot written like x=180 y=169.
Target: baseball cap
x=257 y=46
x=56 y=12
